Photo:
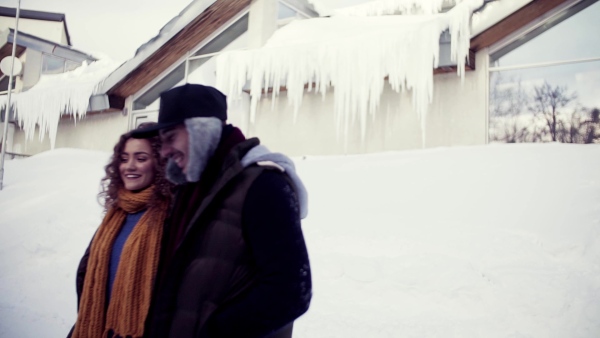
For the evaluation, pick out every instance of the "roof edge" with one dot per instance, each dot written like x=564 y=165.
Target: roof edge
x=37 y=15
x=21 y=35
x=32 y=14
x=172 y=28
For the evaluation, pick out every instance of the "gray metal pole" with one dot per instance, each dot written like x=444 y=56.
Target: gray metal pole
x=10 y=81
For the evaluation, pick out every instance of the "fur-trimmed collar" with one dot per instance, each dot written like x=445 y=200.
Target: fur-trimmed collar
x=204 y=134
x=263 y=156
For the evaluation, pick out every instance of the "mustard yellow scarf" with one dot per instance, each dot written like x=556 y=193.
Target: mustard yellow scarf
x=132 y=288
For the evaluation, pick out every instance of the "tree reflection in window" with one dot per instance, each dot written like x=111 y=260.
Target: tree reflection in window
x=545 y=87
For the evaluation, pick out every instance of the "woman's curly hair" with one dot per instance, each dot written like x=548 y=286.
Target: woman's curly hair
x=112 y=182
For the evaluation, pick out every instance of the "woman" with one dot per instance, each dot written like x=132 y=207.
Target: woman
x=116 y=274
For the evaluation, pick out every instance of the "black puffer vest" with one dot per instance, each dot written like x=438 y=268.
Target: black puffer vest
x=212 y=263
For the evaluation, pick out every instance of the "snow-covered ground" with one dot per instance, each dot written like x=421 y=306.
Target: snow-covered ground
x=490 y=241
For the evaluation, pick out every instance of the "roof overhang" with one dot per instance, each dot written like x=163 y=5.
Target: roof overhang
x=37 y=15
x=25 y=41
x=513 y=23
x=160 y=55
x=150 y=63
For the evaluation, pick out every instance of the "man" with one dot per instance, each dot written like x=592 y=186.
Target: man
x=234 y=261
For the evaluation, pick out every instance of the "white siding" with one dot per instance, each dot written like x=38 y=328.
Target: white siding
x=49 y=30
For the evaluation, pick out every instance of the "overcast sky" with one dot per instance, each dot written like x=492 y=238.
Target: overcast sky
x=112 y=27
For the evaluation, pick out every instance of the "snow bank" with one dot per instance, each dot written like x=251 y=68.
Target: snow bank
x=58 y=94
x=490 y=241
x=48 y=214
x=352 y=54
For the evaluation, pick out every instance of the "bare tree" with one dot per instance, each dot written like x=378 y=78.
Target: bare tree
x=507 y=100
x=555 y=112
x=548 y=102
x=568 y=130
x=592 y=127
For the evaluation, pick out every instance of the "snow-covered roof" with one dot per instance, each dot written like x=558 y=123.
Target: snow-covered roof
x=379 y=7
x=41 y=45
x=173 y=27
x=198 y=24
x=316 y=51
x=56 y=95
x=37 y=15
x=494 y=12
x=354 y=54
x=338 y=8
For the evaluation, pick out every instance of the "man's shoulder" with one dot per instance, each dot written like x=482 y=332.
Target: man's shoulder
x=271 y=180
x=271 y=196
x=270 y=165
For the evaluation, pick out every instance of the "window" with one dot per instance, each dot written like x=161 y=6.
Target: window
x=199 y=68
x=56 y=65
x=52 y=64
x=70 y=65
x=545 y=86
x=143 y=118
x=11 y=117
x=203 y=71
x=149 y=100
x=4 y=80
x=285 y=12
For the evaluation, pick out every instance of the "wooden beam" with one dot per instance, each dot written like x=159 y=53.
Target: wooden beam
x=213 y=18
x=116 y=102
x=513 y=22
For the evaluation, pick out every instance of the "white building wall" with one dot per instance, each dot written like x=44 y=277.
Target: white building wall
x=262 y=22
x=95 y=132
x=64 y=38
x=457 y=116
x=49 y=30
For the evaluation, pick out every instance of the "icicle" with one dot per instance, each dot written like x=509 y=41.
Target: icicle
x=460 y=32
x=55 y=95
x=354 y=55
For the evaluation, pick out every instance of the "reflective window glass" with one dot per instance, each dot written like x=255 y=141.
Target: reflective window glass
x=546 y=104
x=202 y=71
x=284 y=12
x=545 y=87
x=234 y=37
x=149 y=100
x=4 y=80
x=70 y=65
x=571 y=35
x=223 y=40
x=52 y=64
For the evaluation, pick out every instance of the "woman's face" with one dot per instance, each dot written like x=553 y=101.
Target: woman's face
x=137 y=164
